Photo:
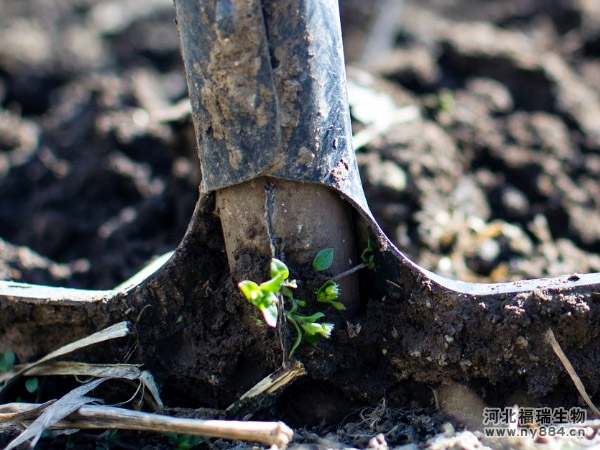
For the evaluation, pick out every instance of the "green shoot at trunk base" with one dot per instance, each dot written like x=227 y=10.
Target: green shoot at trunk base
x=278 y=293
x=266 y=295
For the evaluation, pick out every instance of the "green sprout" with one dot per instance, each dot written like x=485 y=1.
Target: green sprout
x=277 y=292
x=312 y=329
x=328 y=293
x=265 y=296
x=446 y=101
x=367 y=256
x=276 y=295
x=307 y=327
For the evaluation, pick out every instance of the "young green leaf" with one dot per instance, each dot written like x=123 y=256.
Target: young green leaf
x=323 y=260
x=251 y=291
x=272 y=286
x=7 y=360
x=329 y=291
x=367 y=256
x=268 y=308
x=263 y=299
x=313 y=329
x=279 y=275
x=279 y=269
x=31 y=384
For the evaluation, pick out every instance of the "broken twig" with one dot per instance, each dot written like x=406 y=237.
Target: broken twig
x=110 y=417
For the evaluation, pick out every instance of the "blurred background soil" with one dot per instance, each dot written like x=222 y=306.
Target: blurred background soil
x=477 y=129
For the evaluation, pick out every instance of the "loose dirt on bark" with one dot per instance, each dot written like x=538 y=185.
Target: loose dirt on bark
x=479 y=132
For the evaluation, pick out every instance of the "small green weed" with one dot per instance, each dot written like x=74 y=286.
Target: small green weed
x=328 y=293
x=271 y=295
x=367 y=256
x=7 y=362
x=277 y=294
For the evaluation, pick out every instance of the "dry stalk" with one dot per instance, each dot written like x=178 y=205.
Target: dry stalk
x=570 y=370
x=112 y=332
x=131 y=372
x=268 y=387
x=109 y=417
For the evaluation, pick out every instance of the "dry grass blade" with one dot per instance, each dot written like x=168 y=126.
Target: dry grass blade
x=115 y=331
x=124 y=371
x=269 y=386
x=570 y=370
x=148 y=381
x=54 y=413
x=12 y=414
x=144 y=273
x=103 y=417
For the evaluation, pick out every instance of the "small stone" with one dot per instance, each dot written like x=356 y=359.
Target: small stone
x=515 y=202
x=386 y=174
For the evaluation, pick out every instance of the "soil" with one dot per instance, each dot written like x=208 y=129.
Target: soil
x=478 y=142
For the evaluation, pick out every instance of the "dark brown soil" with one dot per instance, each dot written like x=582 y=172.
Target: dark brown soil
x=490 y=172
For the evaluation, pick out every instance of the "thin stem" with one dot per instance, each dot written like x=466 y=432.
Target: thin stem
x=298 y=338
x=349 y=271
x=281 y=319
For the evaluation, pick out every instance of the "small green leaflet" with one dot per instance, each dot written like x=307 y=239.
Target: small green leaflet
x=323 y=260
x=31 y=384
